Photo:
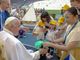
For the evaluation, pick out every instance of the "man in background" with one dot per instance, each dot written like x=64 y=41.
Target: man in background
x=4 y=14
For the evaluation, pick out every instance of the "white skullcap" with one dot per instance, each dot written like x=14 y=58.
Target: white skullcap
x=8 y=20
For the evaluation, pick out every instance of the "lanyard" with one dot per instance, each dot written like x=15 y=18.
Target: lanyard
x=70 y=31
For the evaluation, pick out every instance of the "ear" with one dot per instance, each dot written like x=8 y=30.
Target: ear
x=76 y=16
x=11 y=26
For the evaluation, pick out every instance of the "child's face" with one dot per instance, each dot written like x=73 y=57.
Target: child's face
x=44 y=19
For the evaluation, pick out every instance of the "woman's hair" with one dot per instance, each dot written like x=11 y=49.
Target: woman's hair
x=75 y=0
x=45 y=15
x=73 y=11
x=2 y=51
x=1 y=1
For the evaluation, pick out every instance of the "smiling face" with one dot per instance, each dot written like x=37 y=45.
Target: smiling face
x=70 y=18
x=44 y=19
x=16 y=27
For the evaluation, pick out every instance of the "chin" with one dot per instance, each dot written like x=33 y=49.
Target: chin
x=68 y=23
x=15 y=33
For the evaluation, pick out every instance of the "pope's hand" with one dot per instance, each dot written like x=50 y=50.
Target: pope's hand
x=43 y=51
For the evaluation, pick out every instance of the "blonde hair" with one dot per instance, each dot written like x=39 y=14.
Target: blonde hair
x=75 y=0
x=2 y=1
x=2 y=52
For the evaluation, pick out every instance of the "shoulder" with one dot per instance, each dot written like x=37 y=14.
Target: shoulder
x=77 y=30
x=40 y=23
x=2 y=33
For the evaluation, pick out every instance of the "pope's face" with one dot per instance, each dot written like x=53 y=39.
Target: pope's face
x=16 y=27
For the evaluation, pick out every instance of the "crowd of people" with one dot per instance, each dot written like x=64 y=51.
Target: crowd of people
x=58 y=36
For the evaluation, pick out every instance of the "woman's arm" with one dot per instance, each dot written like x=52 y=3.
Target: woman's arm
x=60 y=40
x=67 y=47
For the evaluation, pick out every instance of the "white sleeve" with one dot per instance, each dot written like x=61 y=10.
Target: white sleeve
x=22 y=52
x=10 y=50
x=17 y=51
x=29 y=56
x=36 y=55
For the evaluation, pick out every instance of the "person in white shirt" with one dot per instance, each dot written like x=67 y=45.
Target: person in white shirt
x=15 y=50
x=52 y=31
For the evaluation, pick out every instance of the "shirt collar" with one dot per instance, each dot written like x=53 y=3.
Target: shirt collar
x=8 y=31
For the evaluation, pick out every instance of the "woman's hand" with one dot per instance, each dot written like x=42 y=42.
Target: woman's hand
x=43 y=51
x=47 y=44
x=35 y=34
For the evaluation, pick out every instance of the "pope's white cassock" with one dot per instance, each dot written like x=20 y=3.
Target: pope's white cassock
x=15 y=50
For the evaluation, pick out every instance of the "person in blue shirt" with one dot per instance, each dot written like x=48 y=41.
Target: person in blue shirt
x=4 y=14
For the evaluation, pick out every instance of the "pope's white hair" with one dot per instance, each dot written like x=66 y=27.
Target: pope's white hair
x=2 y=1
x=10 y=20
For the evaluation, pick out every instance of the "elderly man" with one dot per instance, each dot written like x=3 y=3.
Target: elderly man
x=15 y=50
x=4 y=5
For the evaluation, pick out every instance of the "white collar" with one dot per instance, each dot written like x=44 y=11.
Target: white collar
x=8 y=31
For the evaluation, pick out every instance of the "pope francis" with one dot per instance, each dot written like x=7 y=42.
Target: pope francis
x=14 y=49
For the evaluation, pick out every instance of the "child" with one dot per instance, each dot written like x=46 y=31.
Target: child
x=51 y=36
x=52 y=30
x=38 y=30
x=41 y=27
